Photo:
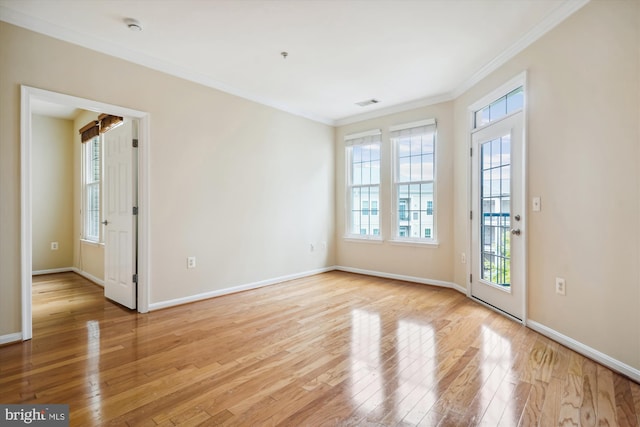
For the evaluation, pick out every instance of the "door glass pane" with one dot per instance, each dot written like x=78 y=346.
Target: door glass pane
x=495 y=213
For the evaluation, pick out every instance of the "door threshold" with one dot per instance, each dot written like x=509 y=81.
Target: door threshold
x=498 y=310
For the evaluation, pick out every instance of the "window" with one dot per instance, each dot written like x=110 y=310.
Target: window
x=503 y=106
x=414 y=180
x=92 y=177
x=363 y=184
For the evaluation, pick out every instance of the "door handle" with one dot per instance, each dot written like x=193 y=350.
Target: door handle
x=515 y=231
x=105 y=222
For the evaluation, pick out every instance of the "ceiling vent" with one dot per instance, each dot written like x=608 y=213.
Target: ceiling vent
x=367 y=102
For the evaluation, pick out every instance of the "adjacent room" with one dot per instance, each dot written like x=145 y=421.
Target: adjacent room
x=281 y=212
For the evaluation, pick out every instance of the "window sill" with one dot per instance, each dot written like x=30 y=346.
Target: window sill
x=91 y=242
x=356 y=239
x=430 y=244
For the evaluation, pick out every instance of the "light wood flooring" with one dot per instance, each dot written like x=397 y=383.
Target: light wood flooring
x=336 y=349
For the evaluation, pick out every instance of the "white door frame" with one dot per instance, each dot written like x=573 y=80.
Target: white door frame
x=29 y=94
x=514 y=83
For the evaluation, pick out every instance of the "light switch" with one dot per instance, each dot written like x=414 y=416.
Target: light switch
x=536 y=204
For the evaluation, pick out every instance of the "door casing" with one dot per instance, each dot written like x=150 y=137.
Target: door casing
x=513 y=83
x=29 y=94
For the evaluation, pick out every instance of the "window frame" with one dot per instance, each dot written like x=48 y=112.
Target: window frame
x=86 y=183
x=395 y=188
x=371 y=137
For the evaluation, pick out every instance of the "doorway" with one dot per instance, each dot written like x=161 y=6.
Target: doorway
x=30 y=95
x=498 y=232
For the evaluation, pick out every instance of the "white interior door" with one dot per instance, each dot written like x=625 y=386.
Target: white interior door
x=119 y=219
x=498 y=215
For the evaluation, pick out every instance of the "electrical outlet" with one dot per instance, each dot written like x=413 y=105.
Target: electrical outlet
x=54 y=246
x=191 y=262
x=561 y=286
x=463 y=258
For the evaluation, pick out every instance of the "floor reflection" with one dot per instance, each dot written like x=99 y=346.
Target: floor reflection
x=92 y=384
x=496 y=362
x=416 y=368
x=366 y=380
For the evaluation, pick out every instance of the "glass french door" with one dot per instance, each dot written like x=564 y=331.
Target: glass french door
x=497 y=273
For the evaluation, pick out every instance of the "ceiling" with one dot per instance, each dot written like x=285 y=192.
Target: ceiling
x=404 y=53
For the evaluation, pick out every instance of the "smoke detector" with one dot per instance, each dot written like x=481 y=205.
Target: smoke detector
x=133 y=24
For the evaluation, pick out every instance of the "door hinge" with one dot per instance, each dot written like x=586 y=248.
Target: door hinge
x=471 y=278
x=135 y=210
x=134 y=142
x=135 y=278
x=470 y=214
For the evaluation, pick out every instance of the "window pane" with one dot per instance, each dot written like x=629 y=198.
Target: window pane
x=502 y=106
x=416 y=168
x=363 y=188
x=356 y=179
x=498 y=108
x=515 y=100
x=416 y=145
x=375 y=172
x=404 y=147
x=375 y=152
x=427 y=167
x=356 y=153
x=404 y=172
x=427 y=144
x=366 y=173
x=495 y=153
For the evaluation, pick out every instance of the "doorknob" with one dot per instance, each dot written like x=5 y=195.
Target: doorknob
x=105 y=222
x=515 y=231
x=517 y=217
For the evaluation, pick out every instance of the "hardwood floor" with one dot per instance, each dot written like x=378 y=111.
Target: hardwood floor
x=336 y=349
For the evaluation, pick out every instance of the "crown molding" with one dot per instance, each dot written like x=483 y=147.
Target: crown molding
x=561 y=13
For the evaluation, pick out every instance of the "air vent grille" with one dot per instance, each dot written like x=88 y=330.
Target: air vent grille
x=367 y=102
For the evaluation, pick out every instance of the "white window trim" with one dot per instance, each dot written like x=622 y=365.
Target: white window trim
x=413 y=241
x=84 y=201
x=349 y=141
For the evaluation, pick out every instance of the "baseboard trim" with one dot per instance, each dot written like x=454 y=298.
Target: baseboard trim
x=10 y=338
x=413 y=279
x=88 y=276
x=234 y=289
x=587 y=351
x=52 y=271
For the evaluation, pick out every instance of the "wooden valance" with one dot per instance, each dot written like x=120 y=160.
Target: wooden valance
x=108 y=122
x=94 y=128
x=89 y=131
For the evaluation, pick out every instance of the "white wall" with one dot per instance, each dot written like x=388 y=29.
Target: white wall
x=584 y=162
x=243 y=187
x=417 y=261
x=52 y=186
